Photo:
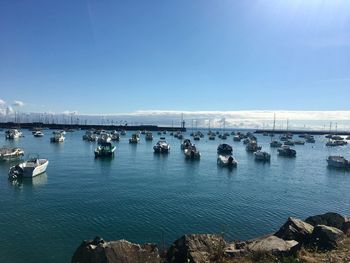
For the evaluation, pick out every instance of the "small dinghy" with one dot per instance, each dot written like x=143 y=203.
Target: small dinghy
x=30 y=168
x=226 y=161
x=38 y=134
x=7 y=153
x=191 y=152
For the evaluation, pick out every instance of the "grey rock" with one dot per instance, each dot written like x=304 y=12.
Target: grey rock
x=272 y=244
x=327 y=219
x=121 y=251
x=197 y=248
x=326 y=237
x=295 y=229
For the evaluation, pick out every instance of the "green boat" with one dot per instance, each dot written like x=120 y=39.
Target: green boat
x=105 y=149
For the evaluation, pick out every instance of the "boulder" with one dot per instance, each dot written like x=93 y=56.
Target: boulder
x=197 y=248
x=295 y=229
x=121 y=251
x=328 y=219
x=272 y=244
x=346 y=228
x=326 y=237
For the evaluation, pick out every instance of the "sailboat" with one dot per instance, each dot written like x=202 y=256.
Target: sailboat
x=274 y=143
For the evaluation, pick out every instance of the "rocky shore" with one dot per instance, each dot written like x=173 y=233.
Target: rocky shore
x=320 y=238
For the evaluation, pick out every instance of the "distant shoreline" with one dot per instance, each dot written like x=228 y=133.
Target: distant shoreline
x=53 y=126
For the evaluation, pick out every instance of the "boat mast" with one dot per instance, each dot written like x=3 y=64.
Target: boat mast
x=274 y=125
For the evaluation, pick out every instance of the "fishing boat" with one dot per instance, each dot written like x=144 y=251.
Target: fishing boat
x=38 y=134
x=191 y=152
x=338 y=161
x=262 y=156
x=224 y=149
x=286 y=151
x=253 y=146
x=161 y=147
x=13 y=134
x=105 y=149
x=226 y=161
x=58 y=137
x=149 y=136
x=7 y=153
x=134 y=138
x=185 y=144
x=30 y=168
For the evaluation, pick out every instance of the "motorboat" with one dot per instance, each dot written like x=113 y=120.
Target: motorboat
x=30 y=168
x=149 y=136
x=253 y=146
x=226 y=161
x=7 y=153
x=191 y=152
x=299 y=142
x=310 y=139
x=262 y=156
x=105 y=149
x=196 y=137
x=212 y=137
x=285 y=150
x=185 y=144
x=38 y=134
x=122 y=132
x=161 y=147
x=58 y=137
x=224 y=149
x=13 y=134
x=275 y=144
x=338 y=161
x=180 y=136
x=246 y=141
x=134 y=138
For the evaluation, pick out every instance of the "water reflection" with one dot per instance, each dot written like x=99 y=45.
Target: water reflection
x=36 y=181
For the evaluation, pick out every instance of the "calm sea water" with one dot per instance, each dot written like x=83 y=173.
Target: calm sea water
x=138 y=195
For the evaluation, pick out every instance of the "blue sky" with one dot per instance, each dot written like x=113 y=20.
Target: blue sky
x=186 y=55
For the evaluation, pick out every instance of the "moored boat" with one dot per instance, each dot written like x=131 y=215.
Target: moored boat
x=262 y=156
x=161 y=147
x=226 y=161
x=7 y=153
x=224 y=149
x=191 y=152
x=13 y=134
x=338 y=161
x=30 y=168
x=253 y=146
x=149 y=136
x=286 y=151
x=58 y=137
x=104 y=149
x=275 y=144
x=38 y=134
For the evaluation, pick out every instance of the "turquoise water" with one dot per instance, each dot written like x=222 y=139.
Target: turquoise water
x=138 y=195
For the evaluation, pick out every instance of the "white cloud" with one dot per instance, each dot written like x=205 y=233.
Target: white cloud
x=18 y=103
x=2 y=102
x=67 y=112
x=9 y=110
